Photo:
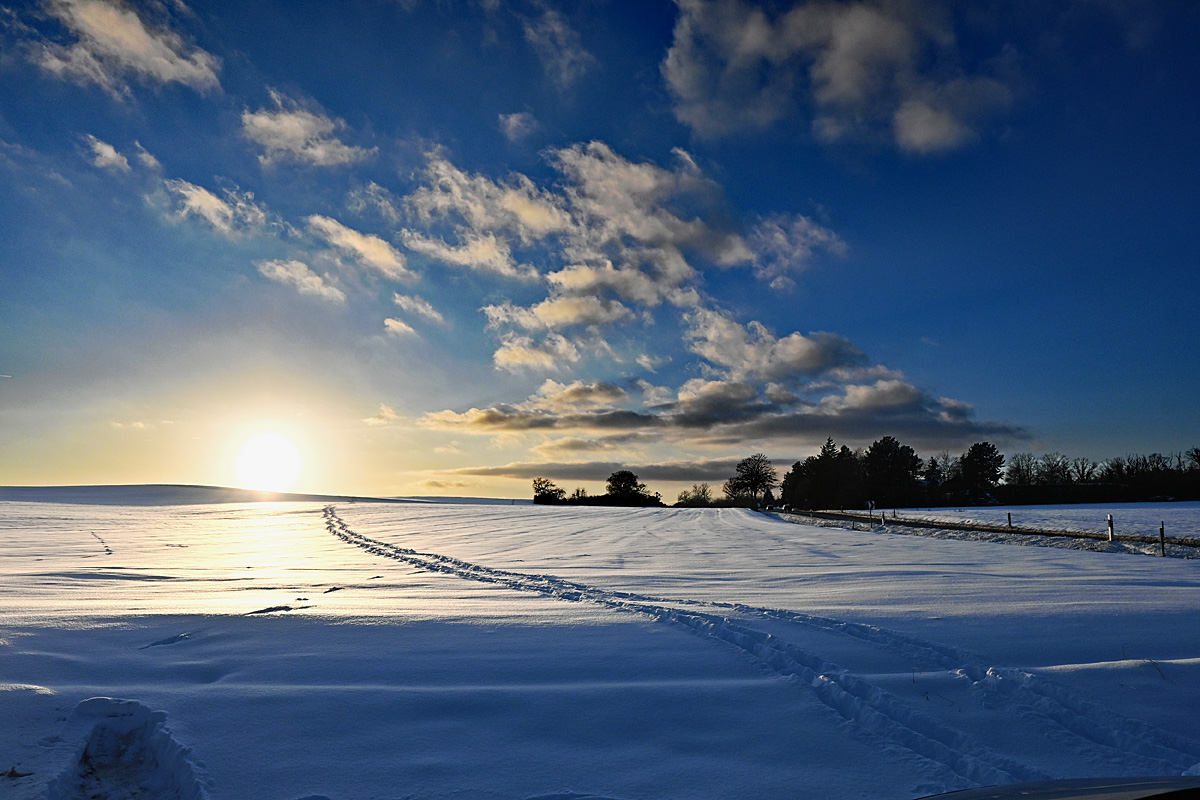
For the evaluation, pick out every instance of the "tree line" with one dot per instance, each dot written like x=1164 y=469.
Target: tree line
x=891 y=474
x=622 y=489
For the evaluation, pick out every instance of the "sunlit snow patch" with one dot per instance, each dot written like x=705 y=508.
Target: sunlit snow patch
x=128 y=753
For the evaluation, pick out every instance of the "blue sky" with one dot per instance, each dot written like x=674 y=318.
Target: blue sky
x=445 y=246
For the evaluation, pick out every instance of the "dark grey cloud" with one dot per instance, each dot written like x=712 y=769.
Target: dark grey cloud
x=714 y=470
x=745 y=414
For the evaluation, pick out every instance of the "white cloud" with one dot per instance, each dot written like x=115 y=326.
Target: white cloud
x=418 y=306
x=434 y=485
x=365 y=248
x=751 y=351
x=631 y=233
x=654 y=395
x=616 y=226
x=517 y=353
x=629 y=282
x=714 y=68
x=785 y=245
x=555 y=396
x=398 y=327
x=619 y=236
x=146 y=158
x=300 y=277
x=558 y=312
x=113 y=42
x=740 y=404
x=648 y=362
x=882 y=395
x=385 y=416
x=232 y=214
x=922 y=129
x=937 y=118
x=478 y=205
x=619 y=197
x=292 y=132
x=105 y=156
x=867 y=67
x=558 y=46
x=518 y=126
x=485 y=252
x=376 y=198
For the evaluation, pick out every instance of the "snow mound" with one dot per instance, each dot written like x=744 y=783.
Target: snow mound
x=128 y=753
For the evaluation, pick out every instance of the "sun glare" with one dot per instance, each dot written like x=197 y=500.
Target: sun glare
x=268 y=462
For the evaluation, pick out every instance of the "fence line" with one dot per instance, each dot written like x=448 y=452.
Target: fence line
x=850 y=516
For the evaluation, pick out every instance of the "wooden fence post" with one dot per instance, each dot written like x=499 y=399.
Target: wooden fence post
x=1162 y=538
x=1010 y=519
x=1110 y=528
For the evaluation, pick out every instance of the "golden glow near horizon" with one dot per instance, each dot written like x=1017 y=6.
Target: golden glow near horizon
x=268 y=462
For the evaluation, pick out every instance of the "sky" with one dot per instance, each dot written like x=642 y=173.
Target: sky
x=441 y=247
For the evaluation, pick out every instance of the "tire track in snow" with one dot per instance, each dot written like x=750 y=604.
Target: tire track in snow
x=850 y=696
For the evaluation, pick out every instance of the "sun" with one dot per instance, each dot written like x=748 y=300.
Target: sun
x=268 y=462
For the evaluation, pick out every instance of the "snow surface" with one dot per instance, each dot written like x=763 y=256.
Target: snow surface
x=356 y=651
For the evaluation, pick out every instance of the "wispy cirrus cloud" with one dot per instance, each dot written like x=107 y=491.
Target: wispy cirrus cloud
x=105 y=156
x=112 y=44
x=559 y=48
x=384 y=417
x=398 y=327
x=232 y=213
x=367 y=249
x=484 y=252
x=291 y=132
x=518 y=126
x=785 y=245
x=377 y=199
x=300 y=277
x=418 y=306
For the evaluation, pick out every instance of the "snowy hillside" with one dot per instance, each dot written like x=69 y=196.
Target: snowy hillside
x=163 y=494
x=358 y=650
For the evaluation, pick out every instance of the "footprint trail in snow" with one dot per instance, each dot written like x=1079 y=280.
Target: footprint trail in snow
x=1137 y=746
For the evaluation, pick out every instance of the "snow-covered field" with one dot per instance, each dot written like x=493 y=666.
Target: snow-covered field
x=487 y=652
x=1179 y=520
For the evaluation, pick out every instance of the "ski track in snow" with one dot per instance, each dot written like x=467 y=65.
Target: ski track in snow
x=1090 y=727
